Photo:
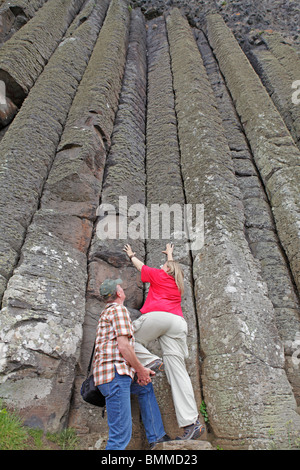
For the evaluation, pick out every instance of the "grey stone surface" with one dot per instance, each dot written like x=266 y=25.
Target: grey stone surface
x=238 y=335
x=276 y=156
x=136 y=111
x=14 y=14
x=279 y=85
x=124 y=177
x=29 y=146
x=259 y=228
x=164 y=189
x=20 y=66
x=196 y=445
x=52 y=274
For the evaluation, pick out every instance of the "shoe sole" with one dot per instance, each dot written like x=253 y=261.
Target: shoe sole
x=156 y=368
x=197 y=433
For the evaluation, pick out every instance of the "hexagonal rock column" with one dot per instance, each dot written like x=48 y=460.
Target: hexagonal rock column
x=166 y=203
x=123 y=187
x=13 y=15
x=260 y=229
x=275 y=153
x=245 y=387
x=44 y=304
x=277 y=76
x=21 y=65
x=29 y=146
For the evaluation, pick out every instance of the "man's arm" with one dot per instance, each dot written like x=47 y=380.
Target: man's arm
x=128 y=353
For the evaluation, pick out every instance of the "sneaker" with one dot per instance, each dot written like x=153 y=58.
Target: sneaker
x=193 y=431
x=156 y=366
x=165 y=438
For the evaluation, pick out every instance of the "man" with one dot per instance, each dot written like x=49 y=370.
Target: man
x=118 y=372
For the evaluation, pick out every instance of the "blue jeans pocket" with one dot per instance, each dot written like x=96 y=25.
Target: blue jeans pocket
x=104 y=389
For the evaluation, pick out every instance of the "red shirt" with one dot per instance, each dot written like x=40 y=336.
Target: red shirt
x=163 y=295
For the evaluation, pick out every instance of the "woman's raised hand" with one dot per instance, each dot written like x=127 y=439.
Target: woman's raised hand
x=169 y=249
x=128 y=250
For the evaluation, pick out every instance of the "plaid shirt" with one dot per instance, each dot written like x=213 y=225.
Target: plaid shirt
x=114 y=321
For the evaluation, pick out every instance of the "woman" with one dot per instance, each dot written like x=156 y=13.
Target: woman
x=162 y=319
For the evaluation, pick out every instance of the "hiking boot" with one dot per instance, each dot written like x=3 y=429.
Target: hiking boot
x=165 y=438
x=157 y=366
x=193 y=431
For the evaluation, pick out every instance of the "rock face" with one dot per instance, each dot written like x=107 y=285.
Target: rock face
x=20 y=65
x=144 y=123
x=182 y=446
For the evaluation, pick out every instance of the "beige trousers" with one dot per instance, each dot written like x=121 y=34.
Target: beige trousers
x=171 y=332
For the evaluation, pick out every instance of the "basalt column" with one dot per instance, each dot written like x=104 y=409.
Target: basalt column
x=166 y=201
x=21 y=65
x=121 y=204
x=14 y=16
x=260 y=228
x=44 y=304
x=29 y=145
x=245 y=387
x=278 y=65
x=279 y=69
x=276 y=155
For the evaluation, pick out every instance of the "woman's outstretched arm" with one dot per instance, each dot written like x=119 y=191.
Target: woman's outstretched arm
x=131 y=255
x=169 y=251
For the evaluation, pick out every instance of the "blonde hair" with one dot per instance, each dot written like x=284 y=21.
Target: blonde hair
x=175 y=271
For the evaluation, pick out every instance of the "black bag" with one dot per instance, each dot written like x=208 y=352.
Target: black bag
x=89 y=391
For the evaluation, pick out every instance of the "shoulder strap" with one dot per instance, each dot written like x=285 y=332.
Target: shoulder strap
x=91 y=360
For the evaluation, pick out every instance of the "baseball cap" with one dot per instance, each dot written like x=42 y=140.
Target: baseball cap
x=109 y=287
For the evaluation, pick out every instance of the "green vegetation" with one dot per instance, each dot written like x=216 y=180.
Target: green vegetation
x=12 y=434
x=66 y=439
x=15 y=436
x=204 y=412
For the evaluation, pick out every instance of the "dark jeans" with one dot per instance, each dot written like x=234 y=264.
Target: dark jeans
x=118 y=406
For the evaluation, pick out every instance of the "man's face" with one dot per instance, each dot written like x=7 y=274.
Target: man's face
x=121 y=293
